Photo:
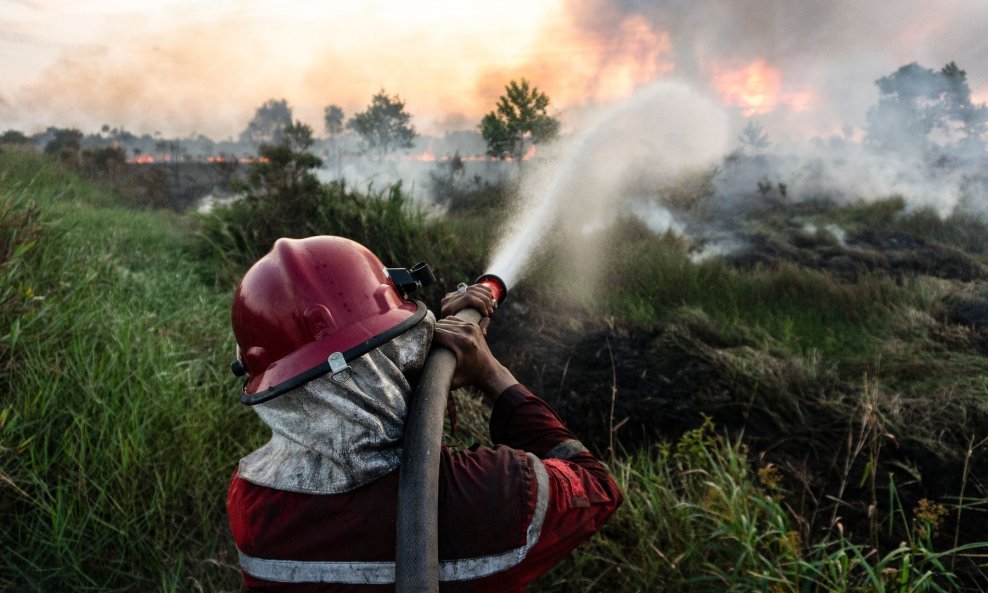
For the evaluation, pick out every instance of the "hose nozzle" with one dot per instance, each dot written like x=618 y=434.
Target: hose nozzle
x=498 y=289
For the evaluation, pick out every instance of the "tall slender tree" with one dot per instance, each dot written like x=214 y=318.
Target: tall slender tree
x=333 y=119
x=753 y=136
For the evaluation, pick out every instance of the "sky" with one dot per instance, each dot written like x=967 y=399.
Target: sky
x=801 y=67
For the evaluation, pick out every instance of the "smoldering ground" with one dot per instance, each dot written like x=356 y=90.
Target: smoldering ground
x=673 y=158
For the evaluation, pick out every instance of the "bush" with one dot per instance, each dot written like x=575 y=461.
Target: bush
x=232 y=238
x=284 y=199
x=65 y=145
x=104 y=163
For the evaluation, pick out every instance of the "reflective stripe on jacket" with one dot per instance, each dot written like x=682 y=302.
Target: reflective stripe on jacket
x=507 y=514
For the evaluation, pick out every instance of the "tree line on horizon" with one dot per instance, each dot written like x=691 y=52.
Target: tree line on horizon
x=520 y=119
x=920 y=110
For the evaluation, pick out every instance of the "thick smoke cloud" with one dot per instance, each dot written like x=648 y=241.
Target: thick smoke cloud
x=835 y=48
x=832 y=53
x=202 y=67
x=181 y=67
x=817 y=63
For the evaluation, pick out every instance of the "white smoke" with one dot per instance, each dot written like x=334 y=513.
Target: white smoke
x=658 y=219
x=834 y=52
x=836 y=48
x=619 y=152
x=844 y=172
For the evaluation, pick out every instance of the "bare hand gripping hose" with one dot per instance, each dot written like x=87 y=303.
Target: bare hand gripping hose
x=417 y=553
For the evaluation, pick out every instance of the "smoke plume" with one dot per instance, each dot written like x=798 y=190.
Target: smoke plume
x=610 y=167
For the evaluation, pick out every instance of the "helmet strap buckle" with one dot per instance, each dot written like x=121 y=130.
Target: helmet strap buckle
x=338 y=366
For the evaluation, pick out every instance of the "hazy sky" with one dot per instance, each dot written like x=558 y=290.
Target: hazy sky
x=181 y=66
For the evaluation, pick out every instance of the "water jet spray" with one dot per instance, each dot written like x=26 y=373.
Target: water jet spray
x=417 y=555
x=665 y=127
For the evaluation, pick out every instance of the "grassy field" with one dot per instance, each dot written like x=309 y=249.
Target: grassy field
x=856 y=465
x=119 y=427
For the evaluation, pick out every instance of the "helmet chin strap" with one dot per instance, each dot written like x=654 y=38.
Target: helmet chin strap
x=335 y=363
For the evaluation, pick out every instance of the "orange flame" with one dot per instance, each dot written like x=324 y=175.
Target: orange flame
x=638 y=56
x=757 y=89
x=428 y=156
x=576 y=67
x=980 y=95
x=529 y=154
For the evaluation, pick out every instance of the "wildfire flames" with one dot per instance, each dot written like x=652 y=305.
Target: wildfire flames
x=150 y=159
x=757 y=89
x=429 y=156
x=639 y=55
x=980 y=95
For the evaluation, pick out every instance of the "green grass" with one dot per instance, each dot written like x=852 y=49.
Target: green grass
x=785 y=307
x=702 y=515
x=119 y=427
x=803 y=360
x=119 y=430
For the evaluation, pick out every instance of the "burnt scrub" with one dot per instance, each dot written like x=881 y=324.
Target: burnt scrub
x=859 y=389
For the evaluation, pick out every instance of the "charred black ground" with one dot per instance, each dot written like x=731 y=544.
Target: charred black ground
x=912 y=392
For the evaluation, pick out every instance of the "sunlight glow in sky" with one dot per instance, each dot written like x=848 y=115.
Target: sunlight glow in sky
x=184 y=66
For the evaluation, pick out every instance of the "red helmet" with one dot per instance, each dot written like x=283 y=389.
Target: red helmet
x=311 y=299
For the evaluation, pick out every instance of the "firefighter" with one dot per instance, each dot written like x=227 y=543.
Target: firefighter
x=314 y=509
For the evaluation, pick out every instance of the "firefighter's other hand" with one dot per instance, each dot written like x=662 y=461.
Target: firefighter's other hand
x=475 y=365
x=477 y=296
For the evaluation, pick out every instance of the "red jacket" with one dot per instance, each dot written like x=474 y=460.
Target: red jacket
x=507 y=514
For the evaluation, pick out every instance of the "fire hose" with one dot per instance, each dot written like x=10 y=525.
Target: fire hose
x=417 y=543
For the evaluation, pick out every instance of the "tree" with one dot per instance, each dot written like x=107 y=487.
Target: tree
x=520 y=120
x=284 y=170
x=170 y=150
x=14 y=137
x=385 y=126
x=269 y=123
x=957 y=97
x=915 y=101
x=65 y=145
x=443 y=180
x=104 y=162
x=333 y=118
x=753 y=136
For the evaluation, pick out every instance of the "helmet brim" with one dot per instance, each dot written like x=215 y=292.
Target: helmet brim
x=311 y=361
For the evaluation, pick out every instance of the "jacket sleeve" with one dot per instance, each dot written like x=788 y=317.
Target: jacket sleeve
x=582 y=494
